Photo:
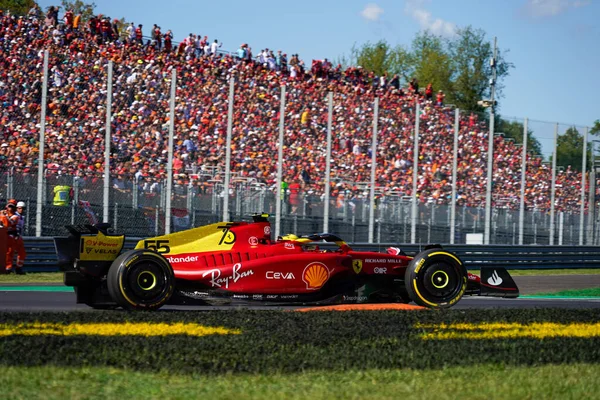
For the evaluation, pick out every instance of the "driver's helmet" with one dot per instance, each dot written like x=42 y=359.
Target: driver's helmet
x=290 y=236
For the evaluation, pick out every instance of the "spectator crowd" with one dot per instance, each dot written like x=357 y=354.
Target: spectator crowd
x=143 y=61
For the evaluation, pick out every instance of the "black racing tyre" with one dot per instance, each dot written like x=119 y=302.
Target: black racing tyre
x=436 y=278
x=140 y=280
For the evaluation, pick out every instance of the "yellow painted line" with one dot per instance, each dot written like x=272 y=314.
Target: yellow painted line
x=113 y=329
x=508 y=330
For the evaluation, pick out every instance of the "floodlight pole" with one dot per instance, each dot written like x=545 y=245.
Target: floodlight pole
x=490 y=163
x=107 y=142
x=280 y=163
x=583 y=172
x=40 y=182
x=454 y=173
x=523 y=182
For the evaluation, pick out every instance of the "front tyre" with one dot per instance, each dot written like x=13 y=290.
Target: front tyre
x=436 y=278
x=141 y=280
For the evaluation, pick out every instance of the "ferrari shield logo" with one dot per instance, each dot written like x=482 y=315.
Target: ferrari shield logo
x=357 y=266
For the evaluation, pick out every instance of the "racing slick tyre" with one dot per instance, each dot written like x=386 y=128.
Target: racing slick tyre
x=436 y=278
x=140 y=280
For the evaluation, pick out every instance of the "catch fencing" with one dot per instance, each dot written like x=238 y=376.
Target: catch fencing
x=138 y=213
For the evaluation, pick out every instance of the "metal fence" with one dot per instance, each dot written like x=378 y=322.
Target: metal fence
x=139 y=211
x=229 y=140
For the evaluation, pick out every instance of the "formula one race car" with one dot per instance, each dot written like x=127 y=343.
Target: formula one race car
x=229 y=261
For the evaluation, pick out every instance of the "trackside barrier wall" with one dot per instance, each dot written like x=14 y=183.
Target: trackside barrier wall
x=41 y=255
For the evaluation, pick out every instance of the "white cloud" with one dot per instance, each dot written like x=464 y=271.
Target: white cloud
x=581 y=3
x=415 y=9
x=551 y=8
x=372 y=12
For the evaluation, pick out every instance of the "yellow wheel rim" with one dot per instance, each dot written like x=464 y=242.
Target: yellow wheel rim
x=146 y=280
x=439 y=279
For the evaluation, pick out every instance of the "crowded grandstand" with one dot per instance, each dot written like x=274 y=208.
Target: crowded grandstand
x=143 y=61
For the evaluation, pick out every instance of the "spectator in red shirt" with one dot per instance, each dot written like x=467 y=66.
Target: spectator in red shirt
x=138 y=35
x=69 y=19
x=440 y=98
x=168 y=41
x=429 y=92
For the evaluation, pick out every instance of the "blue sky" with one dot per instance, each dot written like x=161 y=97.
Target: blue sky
x=552 y=43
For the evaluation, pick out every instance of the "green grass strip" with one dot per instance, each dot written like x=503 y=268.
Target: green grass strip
x=576 y=381
x=36 y=289
x=587 y=293
x=33 y=277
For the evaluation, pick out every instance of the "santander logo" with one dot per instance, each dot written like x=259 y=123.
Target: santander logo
x=495 y=280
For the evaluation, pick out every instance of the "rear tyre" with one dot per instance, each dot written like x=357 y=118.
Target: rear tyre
x=436 y=278
x=141 y=280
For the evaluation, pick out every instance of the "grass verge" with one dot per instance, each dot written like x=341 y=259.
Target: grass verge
x=577 y=381
x=290 y=342
x=33 y=277
x=591 y=292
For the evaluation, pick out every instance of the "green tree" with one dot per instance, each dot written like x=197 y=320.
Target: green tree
x=18 y=7
x=429 y=62
x=436 y=68
x=514 y=130
x=401 y=62
x=379 y=58
x=596 y=128
x=569 y=149
x=460 y=66
x=423 y=46
x=375 y=58
x=86 y=10
x=471 y=53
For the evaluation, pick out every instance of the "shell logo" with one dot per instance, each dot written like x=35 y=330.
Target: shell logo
x=315 y=275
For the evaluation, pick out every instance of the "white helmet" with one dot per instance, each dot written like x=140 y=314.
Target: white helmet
x=20 y=204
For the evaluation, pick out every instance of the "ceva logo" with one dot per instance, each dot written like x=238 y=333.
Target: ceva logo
x=315 y=275
x=495 y=280
x=280 y=275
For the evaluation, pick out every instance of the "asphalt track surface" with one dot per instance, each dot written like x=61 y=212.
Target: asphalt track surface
x=24 y=299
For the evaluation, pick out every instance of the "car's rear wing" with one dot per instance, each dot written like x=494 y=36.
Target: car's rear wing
x=87 y=243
